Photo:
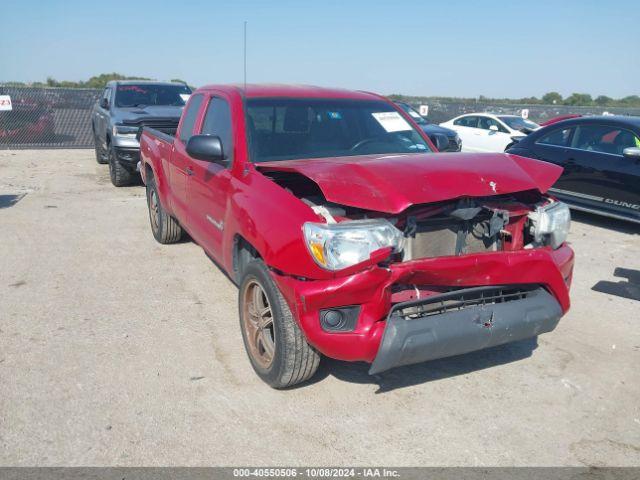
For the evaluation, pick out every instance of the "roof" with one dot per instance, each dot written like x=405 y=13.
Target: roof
x=292 y=91
x=490 y=114
x=620 y=119
x=142 y=82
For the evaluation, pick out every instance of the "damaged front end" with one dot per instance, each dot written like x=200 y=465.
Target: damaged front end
x=434 y=280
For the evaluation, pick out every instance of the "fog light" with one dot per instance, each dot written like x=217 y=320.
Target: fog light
x=341 y=319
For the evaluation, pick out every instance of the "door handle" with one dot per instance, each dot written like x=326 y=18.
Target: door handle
x=189 y=171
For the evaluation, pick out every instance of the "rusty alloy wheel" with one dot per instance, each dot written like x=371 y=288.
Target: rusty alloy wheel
x=257 y=321
x=154 y=210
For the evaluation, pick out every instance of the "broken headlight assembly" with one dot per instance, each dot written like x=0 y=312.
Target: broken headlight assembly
x=335 y=246
x=550 y=224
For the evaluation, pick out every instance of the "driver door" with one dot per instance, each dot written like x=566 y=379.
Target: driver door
x=597 y=171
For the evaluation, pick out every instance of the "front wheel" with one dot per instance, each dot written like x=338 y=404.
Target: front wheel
x=119 y=175
x=101 y=158
x=277 y=348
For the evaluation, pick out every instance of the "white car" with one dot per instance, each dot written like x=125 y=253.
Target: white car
x=485 y=132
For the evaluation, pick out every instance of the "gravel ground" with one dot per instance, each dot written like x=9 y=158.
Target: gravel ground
x=115 y=350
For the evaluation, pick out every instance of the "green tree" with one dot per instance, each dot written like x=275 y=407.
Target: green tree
x=603 y=100
x=552 y=98
x=101 y=80
x=631 y=101
x=578 y=99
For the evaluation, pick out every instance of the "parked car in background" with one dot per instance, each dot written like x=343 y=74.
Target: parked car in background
x=431 y=129
x=347 y=238
x=601 y=161
x=122 y=109
x=559 y=119
x=485 y=132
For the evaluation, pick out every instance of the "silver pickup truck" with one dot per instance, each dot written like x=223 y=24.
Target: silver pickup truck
x=123 y=108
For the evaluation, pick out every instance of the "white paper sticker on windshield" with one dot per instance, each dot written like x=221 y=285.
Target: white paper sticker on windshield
x=185 y=97
x=392 y=121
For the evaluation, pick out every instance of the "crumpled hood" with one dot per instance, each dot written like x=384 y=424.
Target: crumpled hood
x=392 y=183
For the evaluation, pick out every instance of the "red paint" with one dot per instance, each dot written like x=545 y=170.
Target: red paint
x=381 y=183
x=270 y=218
x=553 y=120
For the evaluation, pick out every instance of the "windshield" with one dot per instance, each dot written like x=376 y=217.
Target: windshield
x=412 y=113
x=286 y=129
x=519 y=123
x=145 y=95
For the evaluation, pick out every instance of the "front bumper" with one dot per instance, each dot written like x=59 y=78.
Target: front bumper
x=128 y=157
x=455 y=145
x=413 y=340
x=372 y=290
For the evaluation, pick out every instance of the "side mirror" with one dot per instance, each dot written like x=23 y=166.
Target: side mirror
x=631 y=152
x=440 y=140
x=104 y=103
x=493 y=128
x=207 y=148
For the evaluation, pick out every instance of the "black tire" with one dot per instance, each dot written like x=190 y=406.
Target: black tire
x=119 y=175
x=164 y=227
x=293 y=359
x=101 y=158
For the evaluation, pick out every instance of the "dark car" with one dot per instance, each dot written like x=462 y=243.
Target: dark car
x=431 y=129
x=123 y=108
x=601 y=161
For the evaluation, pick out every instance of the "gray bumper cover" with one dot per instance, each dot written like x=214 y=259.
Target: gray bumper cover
x=409 y=341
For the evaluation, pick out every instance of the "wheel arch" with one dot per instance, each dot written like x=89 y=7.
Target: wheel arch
x=242 y=253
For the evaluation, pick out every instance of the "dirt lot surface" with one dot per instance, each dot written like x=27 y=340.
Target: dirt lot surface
x=117 y=350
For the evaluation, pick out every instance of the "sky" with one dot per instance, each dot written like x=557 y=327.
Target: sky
x=458 y=48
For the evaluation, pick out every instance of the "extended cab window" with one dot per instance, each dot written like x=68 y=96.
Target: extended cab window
x=558 y=138
x=217 y=121
x=286 y=128
x=604 y=139
x=189 y=118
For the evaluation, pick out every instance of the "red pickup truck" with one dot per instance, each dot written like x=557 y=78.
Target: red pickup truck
x=349 y=236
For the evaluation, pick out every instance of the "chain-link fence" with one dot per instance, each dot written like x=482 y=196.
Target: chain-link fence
x=46 y=117
x=33 y=117
x=440 y=111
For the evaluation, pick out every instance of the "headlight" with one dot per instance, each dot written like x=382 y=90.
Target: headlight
x=124 y=131
x=551 y=224
x=335 y=246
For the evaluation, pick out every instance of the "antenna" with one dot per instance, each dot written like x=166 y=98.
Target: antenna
x=245 y=55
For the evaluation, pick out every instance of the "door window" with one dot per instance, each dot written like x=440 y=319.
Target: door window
x=189 y=118
x=217 y=121
x=467 y=122
x=604 y=139
x=485 y=123
x=558 y=138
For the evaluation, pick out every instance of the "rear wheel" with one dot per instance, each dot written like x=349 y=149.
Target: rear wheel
x=164 y=227
x=277 y=348
x=120 y=176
